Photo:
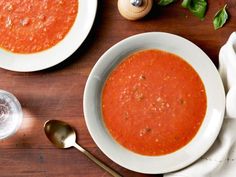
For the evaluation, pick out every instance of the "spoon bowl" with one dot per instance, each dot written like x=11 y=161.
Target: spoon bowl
x=60 y=133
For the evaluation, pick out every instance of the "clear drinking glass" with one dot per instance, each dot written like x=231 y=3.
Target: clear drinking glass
x=10 y=114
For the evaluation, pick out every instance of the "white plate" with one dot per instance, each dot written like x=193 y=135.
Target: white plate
x=59 y=52
x=207 y=132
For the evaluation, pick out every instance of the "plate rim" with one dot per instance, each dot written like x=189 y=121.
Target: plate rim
x=56 y=54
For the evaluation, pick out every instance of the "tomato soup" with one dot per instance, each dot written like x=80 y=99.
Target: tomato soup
x=153 y=103
x=29 y=26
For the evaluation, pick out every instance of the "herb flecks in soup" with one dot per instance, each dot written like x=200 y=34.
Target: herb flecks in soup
x=153 y=103
x=29 y=26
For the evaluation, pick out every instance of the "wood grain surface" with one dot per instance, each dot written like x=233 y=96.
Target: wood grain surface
x=57 y=93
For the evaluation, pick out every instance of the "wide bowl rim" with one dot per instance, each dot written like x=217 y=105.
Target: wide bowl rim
x=116 y=152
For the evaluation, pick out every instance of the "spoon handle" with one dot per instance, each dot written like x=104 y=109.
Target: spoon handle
x=98 y=162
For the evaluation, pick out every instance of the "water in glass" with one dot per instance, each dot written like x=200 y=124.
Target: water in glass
x=10 y=114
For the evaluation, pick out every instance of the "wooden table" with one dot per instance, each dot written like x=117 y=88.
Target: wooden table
x=57 y=93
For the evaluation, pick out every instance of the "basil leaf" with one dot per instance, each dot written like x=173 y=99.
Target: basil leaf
x=185 y=3
x=197 y=7
x=220 y=18
x=165 y=2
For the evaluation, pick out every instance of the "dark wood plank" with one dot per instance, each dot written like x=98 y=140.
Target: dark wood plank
x=57 y=93
x=54 y=162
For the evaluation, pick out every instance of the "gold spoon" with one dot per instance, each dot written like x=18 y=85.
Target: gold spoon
x=63 y=136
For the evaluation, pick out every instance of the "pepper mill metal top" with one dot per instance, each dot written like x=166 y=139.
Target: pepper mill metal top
x=136 y=3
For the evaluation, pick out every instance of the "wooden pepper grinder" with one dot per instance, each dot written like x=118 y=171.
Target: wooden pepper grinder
x=134 y=9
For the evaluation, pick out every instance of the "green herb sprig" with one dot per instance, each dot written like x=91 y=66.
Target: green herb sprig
x=199 y=8
x=220 y=18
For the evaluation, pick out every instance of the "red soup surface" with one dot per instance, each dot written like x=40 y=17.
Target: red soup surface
x=29 y=26
x=153 y=103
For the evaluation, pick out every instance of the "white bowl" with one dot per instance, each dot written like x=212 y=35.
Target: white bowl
x=59 y=52
x=208 y=130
